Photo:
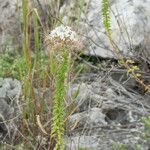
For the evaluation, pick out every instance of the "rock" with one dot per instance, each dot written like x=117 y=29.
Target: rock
x=6 y=112
x=83 y=142
x=129 y=23
x=10 y=35
x=9 y=24
x=106 y=141
x=85 y=98
x=88 y=119
x=10 y=90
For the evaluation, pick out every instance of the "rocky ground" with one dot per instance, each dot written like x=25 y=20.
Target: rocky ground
x=107 y=114
x=110 y=105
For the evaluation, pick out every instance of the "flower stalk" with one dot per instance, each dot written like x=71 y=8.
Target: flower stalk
x=60 y=43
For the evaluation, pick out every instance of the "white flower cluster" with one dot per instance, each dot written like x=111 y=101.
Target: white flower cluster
x=63 y=32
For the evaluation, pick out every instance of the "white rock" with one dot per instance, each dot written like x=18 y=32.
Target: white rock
x=134 y=22
x=10 y=35
x=89 y=118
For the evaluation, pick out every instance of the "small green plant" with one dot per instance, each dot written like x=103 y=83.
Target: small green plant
x=119 y=146
x=138 y=147
x=106 y=17
x=146 y=121
x=6 y=61
x=81 y=148
x=11 y=65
